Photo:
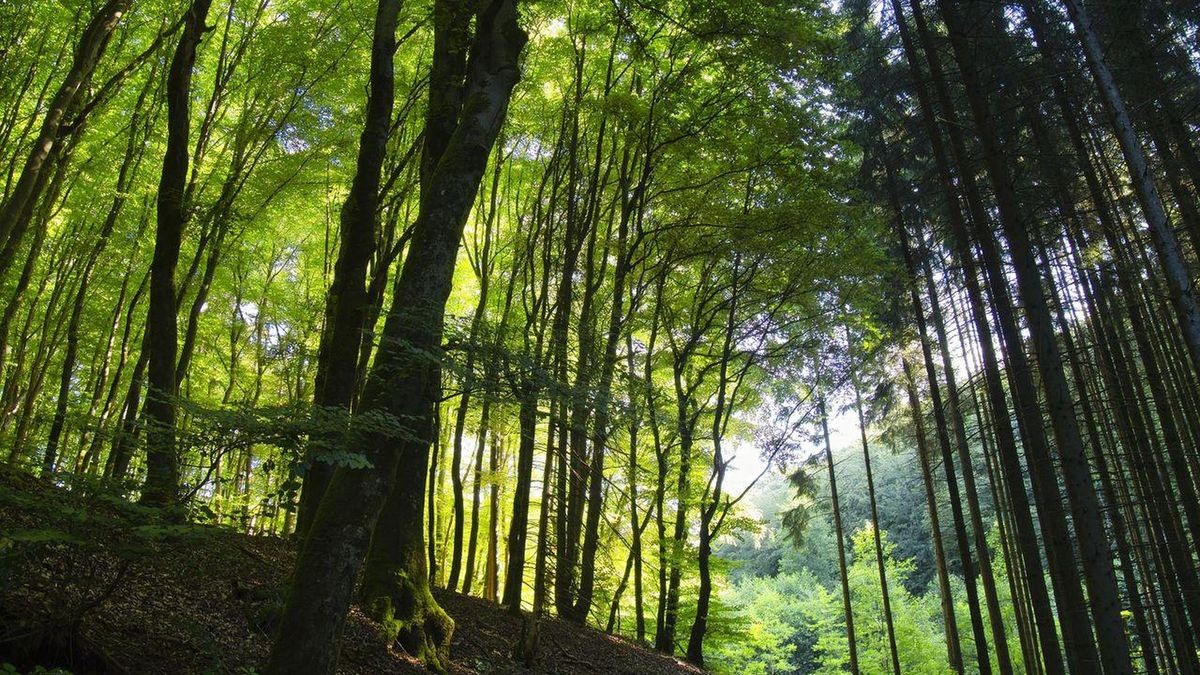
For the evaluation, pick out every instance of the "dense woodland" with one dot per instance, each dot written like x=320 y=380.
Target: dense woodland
x=783 y=336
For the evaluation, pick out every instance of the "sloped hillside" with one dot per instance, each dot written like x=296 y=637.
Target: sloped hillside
x=92 y=584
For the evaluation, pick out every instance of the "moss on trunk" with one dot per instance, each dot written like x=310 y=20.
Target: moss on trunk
x=397 y=595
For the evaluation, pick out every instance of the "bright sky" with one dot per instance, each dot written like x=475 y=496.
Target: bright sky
x=748 y=463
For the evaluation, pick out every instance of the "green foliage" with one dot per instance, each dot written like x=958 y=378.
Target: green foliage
x=794 y=623
x=689 y=146
x=37 y=670
x=788 y=595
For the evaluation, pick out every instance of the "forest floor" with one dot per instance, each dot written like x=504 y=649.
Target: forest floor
x=92 y=584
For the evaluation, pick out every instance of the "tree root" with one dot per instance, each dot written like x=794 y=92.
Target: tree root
x=409 y=616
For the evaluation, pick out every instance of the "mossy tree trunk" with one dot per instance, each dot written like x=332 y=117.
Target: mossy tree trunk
x=471 y=81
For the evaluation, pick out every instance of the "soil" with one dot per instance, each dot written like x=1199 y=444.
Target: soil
x=92 y=584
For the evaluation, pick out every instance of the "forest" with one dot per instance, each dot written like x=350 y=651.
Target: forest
x=581 y=336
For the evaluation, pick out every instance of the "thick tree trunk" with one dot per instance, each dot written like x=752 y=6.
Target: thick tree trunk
x=404 y=382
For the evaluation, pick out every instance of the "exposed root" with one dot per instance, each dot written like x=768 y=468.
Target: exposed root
x=410 y=617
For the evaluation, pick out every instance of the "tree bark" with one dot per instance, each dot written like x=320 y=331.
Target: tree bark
x=404 y=381
x=162 y=461
x=346 y=302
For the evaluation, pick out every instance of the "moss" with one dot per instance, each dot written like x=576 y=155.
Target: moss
x=409 y=616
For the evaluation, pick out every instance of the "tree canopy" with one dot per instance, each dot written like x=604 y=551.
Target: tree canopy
x=783 y=336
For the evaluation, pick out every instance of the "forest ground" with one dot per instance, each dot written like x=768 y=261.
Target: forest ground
x=90 y=583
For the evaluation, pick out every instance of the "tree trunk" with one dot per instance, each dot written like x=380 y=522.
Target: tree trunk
x=600 y=428
x=346 y=302
x=840 y=534
x=514 y=578
x=162 y=461
x=978 y=533
x=875 y=527
x=1034 y=442
x=943 y=437
x=953 y=646
x=404 y=382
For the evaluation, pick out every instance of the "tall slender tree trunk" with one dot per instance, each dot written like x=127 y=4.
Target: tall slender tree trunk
x=953 y=646
x=893 y=651
x=943 y=437
x=134 y=151
x=978 y=533
x=162 y=460
x=840 y=533
x=685 y=421
x=514 y=578
x=481 y=443
x=600 y=427
x=710 y=507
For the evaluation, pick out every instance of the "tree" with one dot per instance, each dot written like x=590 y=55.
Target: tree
x=162 y=337
x=472 y=77
x=346 y=301
x=17 y=208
